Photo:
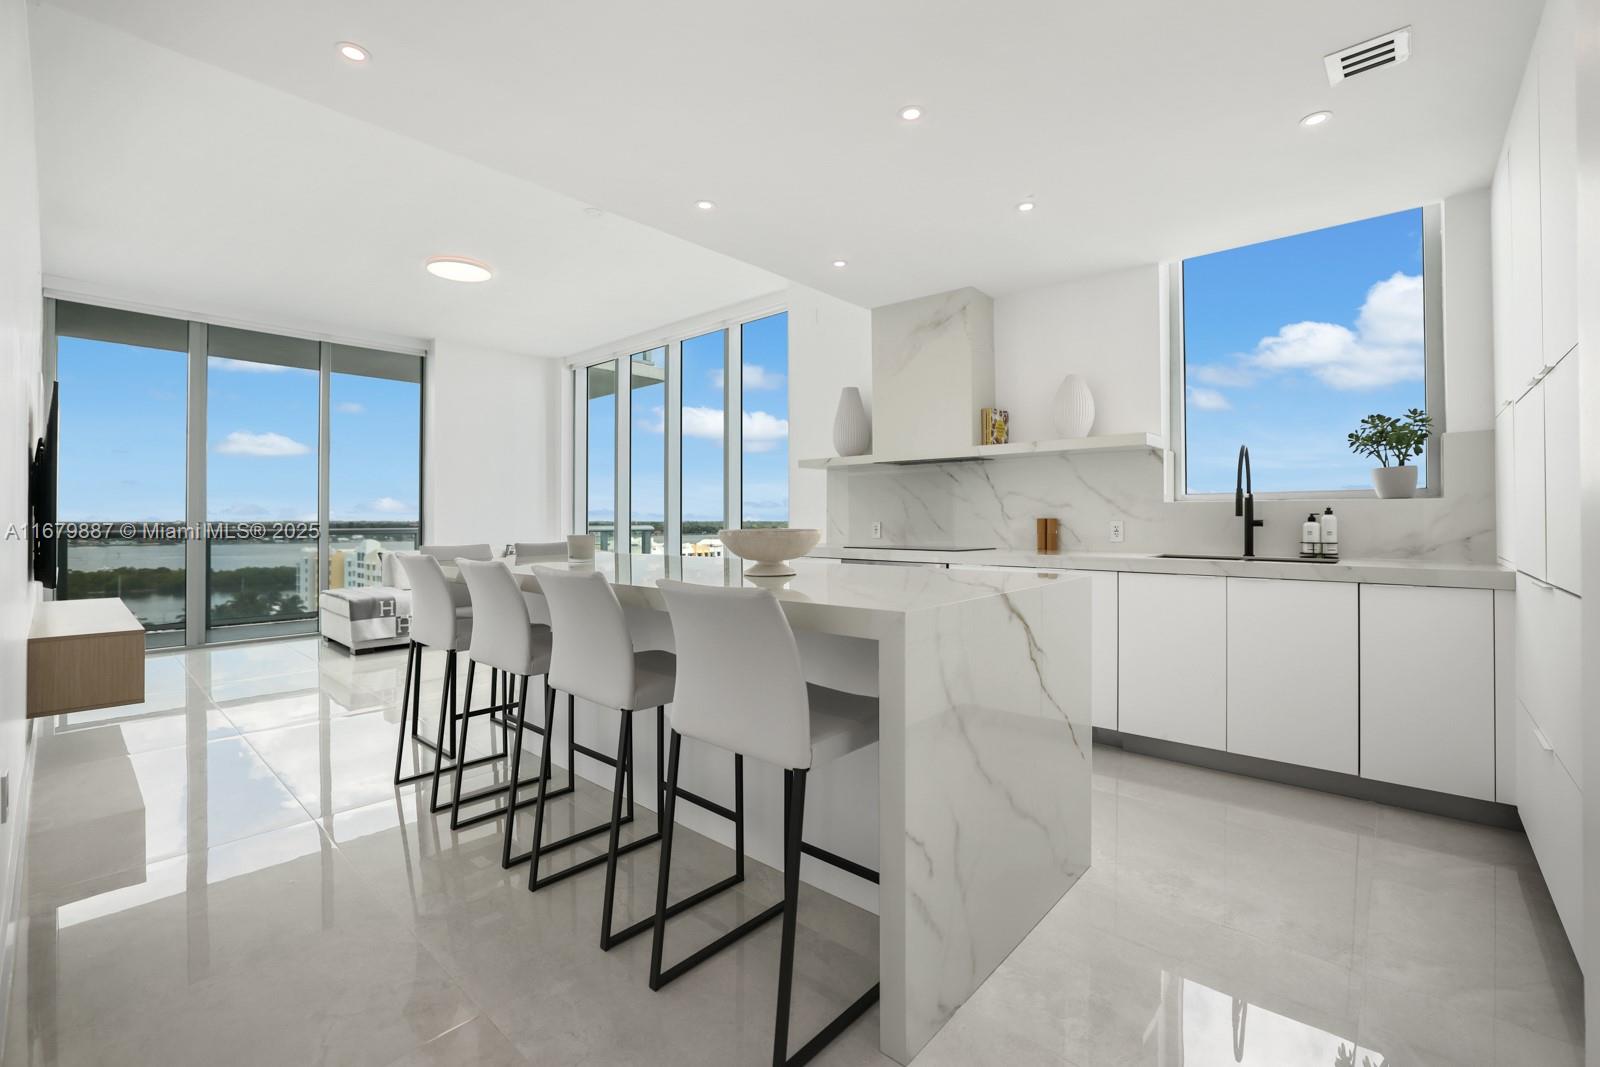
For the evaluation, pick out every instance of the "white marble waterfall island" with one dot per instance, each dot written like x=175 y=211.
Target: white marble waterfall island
x=983 y=761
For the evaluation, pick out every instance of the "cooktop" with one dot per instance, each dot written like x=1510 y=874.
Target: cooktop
x=926 y=548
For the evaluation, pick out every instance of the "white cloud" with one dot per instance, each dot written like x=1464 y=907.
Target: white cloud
x=244 y=443
x=702 y=422
x=755 y=377
x=350 y=407
x=388 y=505
x=245 y=366
x=762 y=432
x=1202 y=399
x=1384 y=348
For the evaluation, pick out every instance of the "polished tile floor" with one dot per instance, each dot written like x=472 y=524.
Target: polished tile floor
x=226 y=875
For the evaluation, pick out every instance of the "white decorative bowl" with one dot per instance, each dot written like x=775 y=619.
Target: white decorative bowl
x=769 y=551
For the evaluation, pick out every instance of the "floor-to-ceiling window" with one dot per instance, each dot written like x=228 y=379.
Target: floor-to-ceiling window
x=764 y=426
x=232 y=474
x=694 y=437
x=262 y=446
x=703 y=477
x=374 y=462
x=647 y=479
x=600 y=479
x=124 y=393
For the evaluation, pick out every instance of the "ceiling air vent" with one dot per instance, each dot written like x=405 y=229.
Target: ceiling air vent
x=1392 y=47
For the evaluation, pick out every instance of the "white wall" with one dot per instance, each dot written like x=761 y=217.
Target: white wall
x=830 y=347
x=1468 y=313
x=492 y=464
x=1109 y=328
x=21 y=413
x=1588 y=240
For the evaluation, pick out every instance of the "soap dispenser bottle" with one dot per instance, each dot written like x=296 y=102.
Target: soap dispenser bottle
x=1329 y=539
x=1310 y=537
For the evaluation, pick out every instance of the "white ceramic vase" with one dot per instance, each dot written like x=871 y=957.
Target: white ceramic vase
x=1073 y=408
x=1395 y=483
x=852 y=433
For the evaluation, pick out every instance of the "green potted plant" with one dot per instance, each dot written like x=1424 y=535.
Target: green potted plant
x=1392 y=442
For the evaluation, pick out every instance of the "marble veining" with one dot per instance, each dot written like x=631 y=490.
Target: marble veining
x=997 y=502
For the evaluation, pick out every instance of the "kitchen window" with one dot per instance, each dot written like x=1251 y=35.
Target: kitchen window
x=690 y=431
x=1286 y=345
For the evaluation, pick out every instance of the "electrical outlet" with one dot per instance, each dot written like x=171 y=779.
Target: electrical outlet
x=1116 y=531
x=877 y=529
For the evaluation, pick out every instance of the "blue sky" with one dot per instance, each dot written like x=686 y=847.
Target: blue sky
x=123 y=427
x=765 y=432
x=1289 y=343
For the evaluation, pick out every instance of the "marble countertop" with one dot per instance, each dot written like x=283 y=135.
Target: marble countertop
x=823 y=595
x=1371 y=571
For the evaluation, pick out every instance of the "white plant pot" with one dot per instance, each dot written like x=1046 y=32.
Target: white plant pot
x=1073 y=408
x=1395 y=483
x=852 y=433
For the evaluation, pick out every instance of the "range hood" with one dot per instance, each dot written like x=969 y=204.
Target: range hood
x=932 y=371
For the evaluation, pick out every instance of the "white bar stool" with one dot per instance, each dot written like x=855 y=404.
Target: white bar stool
x=441 y=618
x=593 y=657
x=741 y=688
x=506 y=640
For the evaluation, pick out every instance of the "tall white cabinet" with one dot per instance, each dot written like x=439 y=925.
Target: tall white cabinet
x=1533 y=224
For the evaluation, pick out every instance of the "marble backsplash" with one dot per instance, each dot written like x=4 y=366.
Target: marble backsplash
x=994 y=504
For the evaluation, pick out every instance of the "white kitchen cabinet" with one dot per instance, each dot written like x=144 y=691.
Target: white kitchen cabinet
x=1172 y=648
x=1549 y=666
x=1526 y=351
x=1551 y=806
x=1427 y=688
x=1505 y=696
x=1103 y=684
x=1528 y=460
x=1505 y=486
x=1562 y=490
x=1501 y=238
x=1292 y=672
x=1558 y=178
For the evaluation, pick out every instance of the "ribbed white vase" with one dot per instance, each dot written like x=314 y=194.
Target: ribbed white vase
x=1073 y=408
x=852 y=433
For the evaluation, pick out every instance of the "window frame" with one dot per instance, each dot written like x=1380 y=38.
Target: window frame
x=1433 y=372
x=730 y=320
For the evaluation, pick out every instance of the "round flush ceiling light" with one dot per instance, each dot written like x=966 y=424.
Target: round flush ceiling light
x=459 y=269
x=911 y=113
x=704 y=205
x=354 y=52
x=1025 y=206
x=839 y=264
x=1316 y=118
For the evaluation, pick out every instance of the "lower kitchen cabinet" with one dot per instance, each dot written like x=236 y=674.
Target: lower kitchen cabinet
x=1427 y=688
x=1550 y=666
x=1551 y=806
x=1293 y=665
x=1172 y=649
x=1103 y=697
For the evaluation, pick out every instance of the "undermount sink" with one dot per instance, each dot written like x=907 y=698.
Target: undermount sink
x=1244 y=559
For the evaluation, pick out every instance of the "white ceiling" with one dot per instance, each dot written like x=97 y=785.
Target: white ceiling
x=1146 y=129
x=165 y=182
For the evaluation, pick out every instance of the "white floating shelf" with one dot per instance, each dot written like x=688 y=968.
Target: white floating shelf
x=1121 y=442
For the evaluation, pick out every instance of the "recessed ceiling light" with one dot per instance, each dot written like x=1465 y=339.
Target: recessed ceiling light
x=839 y=264
x=459 y=269
x=354 y=52
x=1026 y=205
x=704 y=205
x=1316 y=118
x=911 y=112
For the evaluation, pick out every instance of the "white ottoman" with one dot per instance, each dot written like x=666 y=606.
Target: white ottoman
x=366 y=617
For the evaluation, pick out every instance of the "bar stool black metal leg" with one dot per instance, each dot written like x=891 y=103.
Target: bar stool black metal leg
x=416 y=656
x=794 y=806
x=507 y=860
x=461 y=746
x=447 y=719
x=624 y=745
x=544 y=782
x=516 y=769
x=661 y=755
x=405 y=701
x=664 y=874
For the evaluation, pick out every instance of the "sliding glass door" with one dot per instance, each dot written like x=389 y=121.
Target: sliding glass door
x=232 y=475
x=123 y=381
x=262 y=442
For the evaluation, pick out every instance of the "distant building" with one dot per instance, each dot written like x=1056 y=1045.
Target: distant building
x=349 y=567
